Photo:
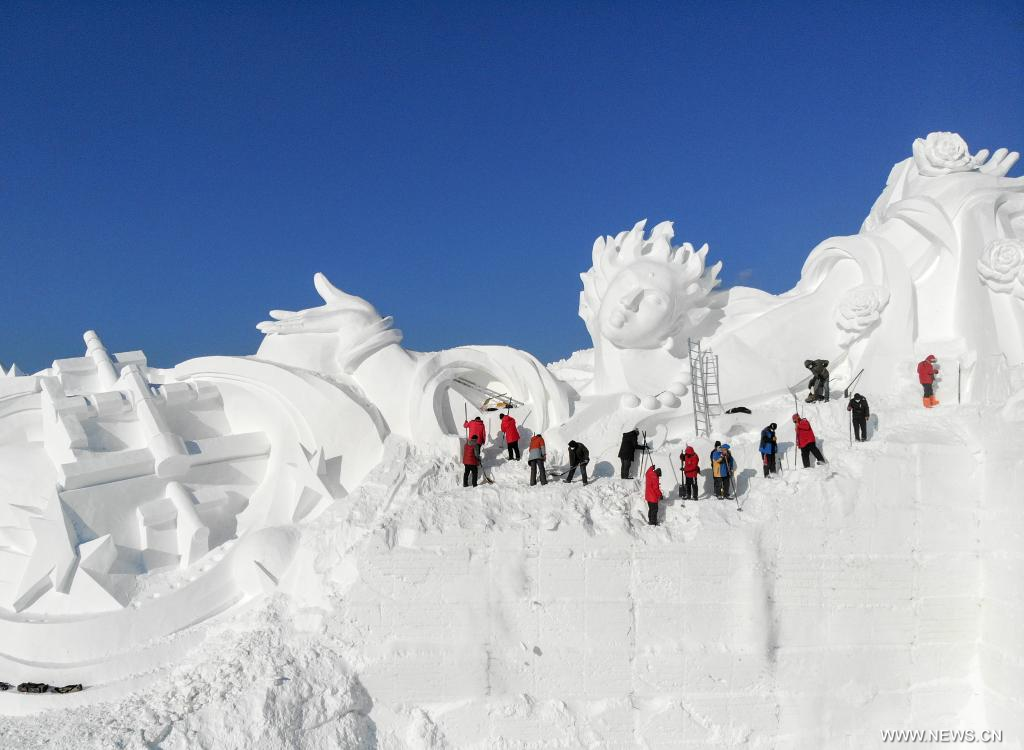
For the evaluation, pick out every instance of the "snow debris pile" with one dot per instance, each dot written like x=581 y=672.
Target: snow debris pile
x=277 y=551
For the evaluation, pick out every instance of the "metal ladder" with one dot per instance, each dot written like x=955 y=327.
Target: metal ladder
x=712 y=395
x=698 y=389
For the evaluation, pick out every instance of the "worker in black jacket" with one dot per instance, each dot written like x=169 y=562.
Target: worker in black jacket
x=627 y=450
x=859 y=412
x=578 y=456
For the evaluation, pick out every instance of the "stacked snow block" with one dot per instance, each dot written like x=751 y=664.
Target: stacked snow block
x=1001 y=531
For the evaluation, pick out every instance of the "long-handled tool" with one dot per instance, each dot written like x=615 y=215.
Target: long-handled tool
x=676 y=479
x=493 y=400
x=644 y=453
x=732 y=476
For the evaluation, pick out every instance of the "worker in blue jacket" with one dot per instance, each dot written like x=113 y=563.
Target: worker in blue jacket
x=769 y=448
x=722 y=467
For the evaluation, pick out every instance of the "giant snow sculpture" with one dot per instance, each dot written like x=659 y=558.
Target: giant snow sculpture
x=938 y=265
x=136 y=502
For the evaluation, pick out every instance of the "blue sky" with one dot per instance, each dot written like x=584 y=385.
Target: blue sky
x=171 y=171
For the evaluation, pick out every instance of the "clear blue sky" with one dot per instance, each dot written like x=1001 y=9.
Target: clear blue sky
x=171 y=171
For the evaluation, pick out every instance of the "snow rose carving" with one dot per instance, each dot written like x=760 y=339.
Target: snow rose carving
x=860 y=310
x=1001 y=266
x=942 y=153
x=946 y=153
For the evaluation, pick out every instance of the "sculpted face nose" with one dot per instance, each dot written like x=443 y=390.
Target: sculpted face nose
x=631 y=300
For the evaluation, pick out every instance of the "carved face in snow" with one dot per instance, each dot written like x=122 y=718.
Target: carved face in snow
x=638 y=307
x=641 y=291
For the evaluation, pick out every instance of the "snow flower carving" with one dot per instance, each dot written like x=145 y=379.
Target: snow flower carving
x=1001 y=266
x=943 y=153
x=860 y=310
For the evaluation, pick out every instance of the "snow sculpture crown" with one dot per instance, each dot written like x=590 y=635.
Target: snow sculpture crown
x=642 y=290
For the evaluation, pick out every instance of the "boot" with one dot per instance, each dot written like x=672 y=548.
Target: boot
x=935 y=401
x=927 y=402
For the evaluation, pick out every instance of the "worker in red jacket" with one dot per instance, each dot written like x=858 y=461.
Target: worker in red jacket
x=511 y=432
x=691 y=470
x=476 y=428
x=652 y=493
x=806 y=441
x=471 y=460
x=926 y=369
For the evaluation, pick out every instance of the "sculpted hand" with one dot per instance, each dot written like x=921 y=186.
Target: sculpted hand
x=339 y=311
x=1002 y=161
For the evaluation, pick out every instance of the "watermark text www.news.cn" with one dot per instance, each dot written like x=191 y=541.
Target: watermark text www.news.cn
x=985 y=736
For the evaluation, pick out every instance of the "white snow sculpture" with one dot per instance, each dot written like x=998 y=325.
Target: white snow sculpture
x=936 y=225
x=641 y=300
x=418 y=394
x=123 y=489
x=936 y=267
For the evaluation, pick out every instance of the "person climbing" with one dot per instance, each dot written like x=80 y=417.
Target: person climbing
x=926 y=370
x=627 y=450
x=511 y=432
x=691 y=470
x=578 y=456
x=806 y=441
x=818 y=384
x=769 y=449
x=471 y=461
x=476 y=426
x=536 y=457
x=722 y=467
x=860 y=411
x=652 y=493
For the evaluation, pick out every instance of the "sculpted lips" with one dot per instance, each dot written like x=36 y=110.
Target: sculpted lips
x=617 y=319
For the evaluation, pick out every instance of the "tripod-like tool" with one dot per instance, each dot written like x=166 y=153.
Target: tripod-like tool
x=645 y=454
x=675 y=478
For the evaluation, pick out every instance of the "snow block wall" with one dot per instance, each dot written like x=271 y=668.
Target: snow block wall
x=1001 y=532
x=833 y=607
